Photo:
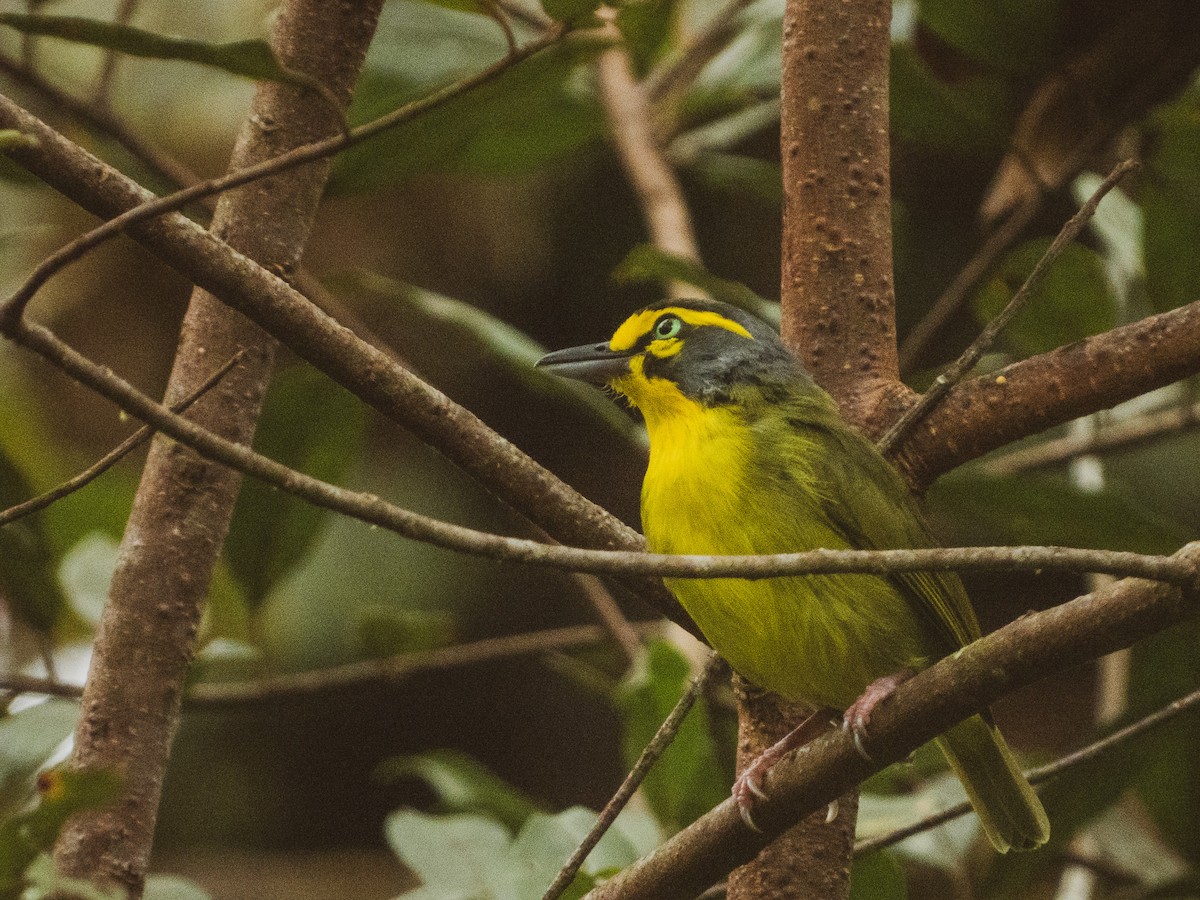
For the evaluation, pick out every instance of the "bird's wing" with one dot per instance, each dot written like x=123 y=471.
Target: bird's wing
x=869 y=503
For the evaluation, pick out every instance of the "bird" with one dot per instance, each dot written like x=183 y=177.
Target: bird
x=748 y=455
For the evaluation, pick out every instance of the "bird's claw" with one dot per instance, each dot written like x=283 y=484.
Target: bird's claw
x=745 y=789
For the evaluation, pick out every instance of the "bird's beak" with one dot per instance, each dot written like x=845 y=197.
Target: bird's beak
x=593 y=363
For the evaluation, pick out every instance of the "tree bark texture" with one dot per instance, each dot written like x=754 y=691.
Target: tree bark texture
x=808 y=860
x=839 y=317
x=130 y=709
x=837 y=288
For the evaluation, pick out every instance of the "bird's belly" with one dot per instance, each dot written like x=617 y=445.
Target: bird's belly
x=821 y=639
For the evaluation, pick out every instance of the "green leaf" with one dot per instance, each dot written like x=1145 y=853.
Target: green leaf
x=28 y=569
x=310 y=424
x=1170 y=197
x=1010 y=35
x=646 y=263
x=943 y=847
x=460 y=856
x=979 y=510
x=420 y=47
x=27 y=739
x=573 y=12
x=877 y=876
x=968 y=117
x=64 y=793
x=462 y=785
x=646 y=26
x=1075 y=299
x=43 y=881
x=11 y=138
x=687 y=780
x=491 y=347
x=386 y=630
x=250 y=58
x=739 y=176
x=172 y=887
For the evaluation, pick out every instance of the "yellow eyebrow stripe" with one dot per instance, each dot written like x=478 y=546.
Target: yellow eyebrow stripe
x=640 y=323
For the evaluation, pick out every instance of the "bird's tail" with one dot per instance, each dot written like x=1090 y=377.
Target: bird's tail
x=1009 y=811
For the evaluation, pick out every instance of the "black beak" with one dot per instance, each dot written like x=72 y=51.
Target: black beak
x=593 y=363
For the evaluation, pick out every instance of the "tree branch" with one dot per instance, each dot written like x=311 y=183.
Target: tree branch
x=377 y=379
x=1031 y=648
x=1041 y=773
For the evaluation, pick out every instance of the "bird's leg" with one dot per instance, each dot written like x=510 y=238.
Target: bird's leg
x=858 y=715
x=748 y=785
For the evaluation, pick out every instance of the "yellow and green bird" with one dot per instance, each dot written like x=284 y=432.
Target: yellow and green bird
x=749 y=456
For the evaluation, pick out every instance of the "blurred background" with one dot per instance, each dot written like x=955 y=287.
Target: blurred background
x=502 y=224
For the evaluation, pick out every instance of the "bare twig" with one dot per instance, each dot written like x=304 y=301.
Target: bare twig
x=13 y=307
x=991 y=331
x=1041 y=773
x=389 y=670
x=406 y=523
x=658 y=744
x=103 y=93
x=1106 y=438
x=110 y=459
x=663 y=206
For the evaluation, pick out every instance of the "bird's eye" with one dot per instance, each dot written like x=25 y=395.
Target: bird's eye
x=667 y=327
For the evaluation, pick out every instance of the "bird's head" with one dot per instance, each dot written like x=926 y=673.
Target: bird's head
x=677 y=352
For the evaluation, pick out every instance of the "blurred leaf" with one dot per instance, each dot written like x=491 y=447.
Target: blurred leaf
x=877 y=876
x=485 y=342
x=44 y=882
x=942 y=847
x=646 y=26
x=1009 y=35
x=573 y=12
x=1075 y=299
x=646 y=263
x=311 y=424
x=27 y=740
x=1170 y=195
x=967 y=117
x=1047 y=510
x=250 y=58
x=64 y=793
x=1130 y=844
x=747 y=68
x=386 y=630
x=10 y=138
x=28 y=571
x=223 y=659
x=1165 y=667
x=85 y=573
x=687 y=780
x=462 y=784
x=172 y=887
x=460 y=856
x=740 y=175
x=419 y=48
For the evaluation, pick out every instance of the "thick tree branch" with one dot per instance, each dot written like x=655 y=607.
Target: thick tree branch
x=1024 y=398
x=131 y=703
x=372 y=375
x=1031 y=648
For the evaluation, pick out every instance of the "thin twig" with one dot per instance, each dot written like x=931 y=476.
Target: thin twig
x=658 y=744
x=1108 y=437
x=110 y=459
x=1041 y=773
x=372 y=509
x=13 y=307
x=389 y=670
x=103 y=93
x=991 y=331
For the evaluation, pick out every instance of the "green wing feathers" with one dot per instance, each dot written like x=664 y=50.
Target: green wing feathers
x=1009 y=811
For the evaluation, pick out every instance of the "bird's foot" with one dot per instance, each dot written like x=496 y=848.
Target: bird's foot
x=748 y=786
x=858 y=715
